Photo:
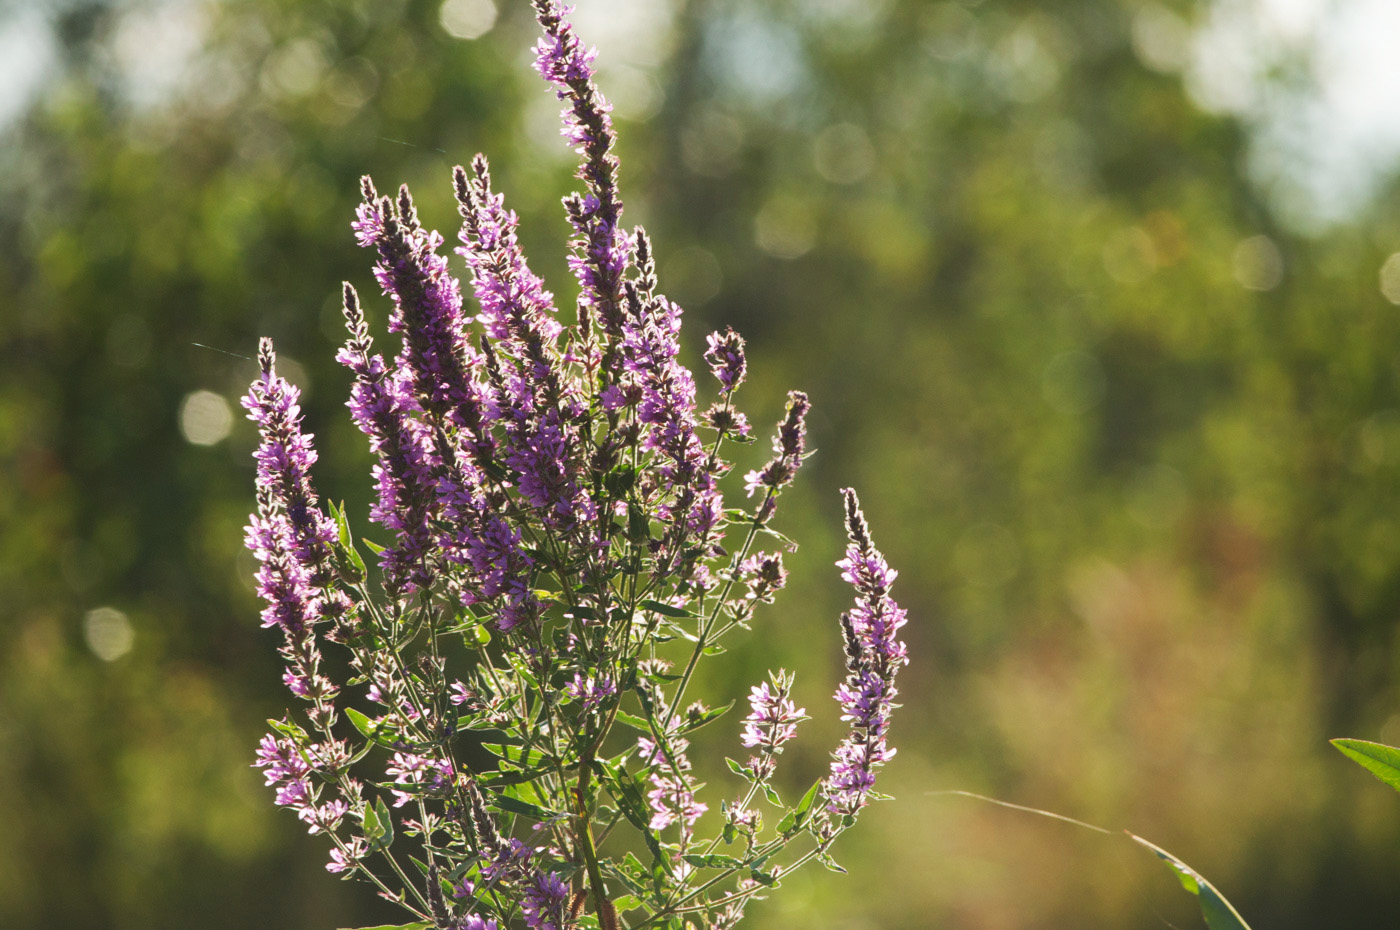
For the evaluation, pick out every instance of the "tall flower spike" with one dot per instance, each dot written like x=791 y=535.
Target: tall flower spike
x=381 y=404
x=284 y=458
x=427 y=307
x=600 y=247
x=873 y=657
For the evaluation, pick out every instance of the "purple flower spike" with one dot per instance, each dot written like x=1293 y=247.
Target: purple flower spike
x=427 y=307
x=284 y=457
x=790 y=446
x=725 y=356
x=873 y=657
x=601 y=246
x=382 y=405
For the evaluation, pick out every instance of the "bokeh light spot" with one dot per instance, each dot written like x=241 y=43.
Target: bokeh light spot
x=467 y=19
x=108 y=633
x=1258 y=264
x=205 y=418
x=1390 y=279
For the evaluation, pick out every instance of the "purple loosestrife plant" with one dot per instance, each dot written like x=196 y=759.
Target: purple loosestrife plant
x=554 y=525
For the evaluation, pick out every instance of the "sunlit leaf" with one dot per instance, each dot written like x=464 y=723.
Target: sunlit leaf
x=1379 y=759
x=1218 y=912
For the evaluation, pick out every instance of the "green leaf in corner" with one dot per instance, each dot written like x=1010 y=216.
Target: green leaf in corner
x=1379 y=759
x=1219 y=913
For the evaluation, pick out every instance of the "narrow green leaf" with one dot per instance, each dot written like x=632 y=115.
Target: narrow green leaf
x=628 y=902
x=289 y=730
x=666 y=610
x=1379 y=759
x=517 y=754
x=515 y=806
x=373 y=831
x=361 y=722
x=342 y=528
x=692 y=724
x=804 y=806
x=386 y=823
x=373 y=546
x=763 y=878
x=738 y=769
x=714 y=862
x=636 y=723
x=1218 y=912
x=369 y=728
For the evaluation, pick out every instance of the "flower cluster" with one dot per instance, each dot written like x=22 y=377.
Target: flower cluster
x=553 y=537
x=873 y=656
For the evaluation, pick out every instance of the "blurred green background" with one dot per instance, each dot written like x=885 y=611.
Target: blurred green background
x=1096 y=302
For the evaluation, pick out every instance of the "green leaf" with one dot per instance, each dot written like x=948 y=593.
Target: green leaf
x=738 y=769
x=522 y=668
x=714 y=862
x=636 y=723
x=369 y=728
x=515 y=806
x=362 y=723
x=372 y=827
x=763 y=878
x=1218 y=913
x=714 y=713
x=796 y=817
x=517 y=754
x=666 y=610
x=804 y=806
x=373 y=546
x=289 y=730
x=1379 y=759
x=629 y=902
x=386 y=825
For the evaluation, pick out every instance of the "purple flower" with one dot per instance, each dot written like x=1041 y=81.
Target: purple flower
x=477 y=922
x=726 y=358
x=382 y=405
x=344 y=859
x=590 y=691
x=437 y=358
x=546 y=902
x=673 y=799
x=433 y=776
x=600 y=247
x=873 y=657
x=764 y=575
x=280 y=760
x=773 y=718
x=790 y=446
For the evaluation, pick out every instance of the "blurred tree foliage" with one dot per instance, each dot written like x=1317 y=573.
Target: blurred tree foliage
x=1133 y=443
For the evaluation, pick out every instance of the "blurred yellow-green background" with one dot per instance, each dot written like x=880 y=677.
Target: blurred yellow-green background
x=1096 y=301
